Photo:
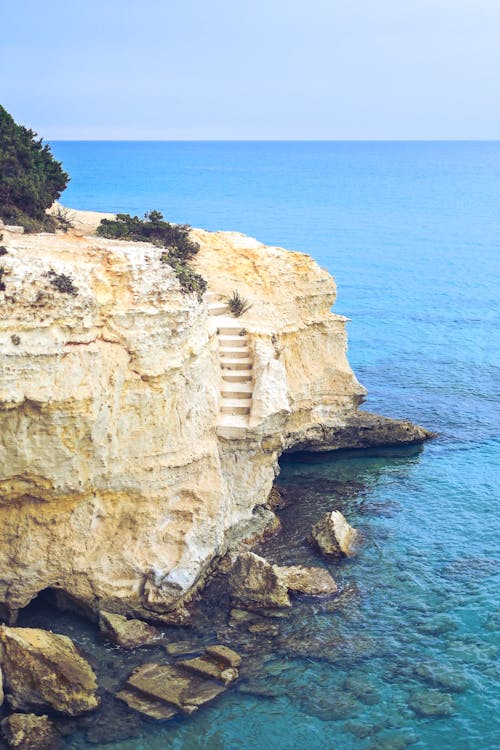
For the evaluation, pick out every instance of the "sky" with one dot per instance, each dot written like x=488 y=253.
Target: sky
x=252 y=69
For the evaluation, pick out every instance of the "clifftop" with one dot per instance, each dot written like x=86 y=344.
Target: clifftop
x=131 y=412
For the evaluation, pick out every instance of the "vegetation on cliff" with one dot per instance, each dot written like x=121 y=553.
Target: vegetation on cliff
x=179 y=247
x=30 y=178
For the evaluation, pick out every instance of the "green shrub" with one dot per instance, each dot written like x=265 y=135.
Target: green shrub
x=30 y=178
x=62 y=282
x=237 y=304
x=173 y=237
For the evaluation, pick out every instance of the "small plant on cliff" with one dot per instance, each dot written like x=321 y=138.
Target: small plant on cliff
x=179 y=247
x=237 y=304
x=2 y=282
x=30 y=178
x=62 y=282
x=64 y=218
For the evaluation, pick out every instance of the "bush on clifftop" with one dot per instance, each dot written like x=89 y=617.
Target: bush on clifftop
x=30 y=178
x=173 y=237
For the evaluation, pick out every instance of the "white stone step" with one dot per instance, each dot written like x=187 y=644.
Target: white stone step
x=225 y=330
x=216 y=309
x=234 y=352
x=232 y=421
x=236 y=390
x=238 y=376
x=235 y=406
x=233 y=340
x=232 y=364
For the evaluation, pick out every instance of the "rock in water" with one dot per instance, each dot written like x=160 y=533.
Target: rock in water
x=126 y=633
x=333 y=535
x=255 y=583
x=30 y=732
x=44 y=670
x=311 y=581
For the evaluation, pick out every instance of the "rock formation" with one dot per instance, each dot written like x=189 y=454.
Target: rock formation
x=30 y=732
x=126 y=633
x=333 y=536
x=139 y=429
x=255 y=583
x=43 y=671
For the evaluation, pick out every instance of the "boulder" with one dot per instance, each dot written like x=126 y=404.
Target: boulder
x=205 y=666
x=127 y=633
x=255 y=583
x=30 y=732
x=44 y=670
x=312 y=581
x=333 y=536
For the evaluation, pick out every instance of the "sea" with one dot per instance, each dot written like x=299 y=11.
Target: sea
x=408 y=654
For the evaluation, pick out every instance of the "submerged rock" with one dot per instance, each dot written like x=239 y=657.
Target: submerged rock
x=431 y=703
x=126 y=633
x=30 y=732
x=333 y=535
x=441 y=676
x=44 y=670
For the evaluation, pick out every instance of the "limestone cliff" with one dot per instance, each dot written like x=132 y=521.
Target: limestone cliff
x=139 y=428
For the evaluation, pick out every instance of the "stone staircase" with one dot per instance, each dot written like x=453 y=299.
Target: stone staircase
x=236 y=366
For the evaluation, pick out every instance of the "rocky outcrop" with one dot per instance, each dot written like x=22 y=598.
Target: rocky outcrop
x=161 y=691
x=43 y=671
x=126 y=465
x=256 y=584
x=30 y=732
x=127 y=633
x=333 y=536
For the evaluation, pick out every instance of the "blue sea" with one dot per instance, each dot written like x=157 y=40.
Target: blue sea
x=408 y=654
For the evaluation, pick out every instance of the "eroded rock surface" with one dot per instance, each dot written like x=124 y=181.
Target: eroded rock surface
x=30 y=732
x=43 y=670
x=127 y=633
x=333 y=536
x=162 y=691
x=121 y=480
x=255 y=583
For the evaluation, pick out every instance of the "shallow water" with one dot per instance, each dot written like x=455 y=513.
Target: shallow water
x=411 y=232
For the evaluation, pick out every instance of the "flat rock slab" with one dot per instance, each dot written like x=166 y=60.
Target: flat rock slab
x=204 y=666
x=224 y=655
x=171 y=685
x=311 y=581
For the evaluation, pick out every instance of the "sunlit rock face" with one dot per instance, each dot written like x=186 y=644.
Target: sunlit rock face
x=123 y=471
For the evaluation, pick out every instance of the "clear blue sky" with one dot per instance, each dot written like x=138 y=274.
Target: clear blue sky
x=252 y=69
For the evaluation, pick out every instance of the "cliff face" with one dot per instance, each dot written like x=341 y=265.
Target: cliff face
x=140 y=429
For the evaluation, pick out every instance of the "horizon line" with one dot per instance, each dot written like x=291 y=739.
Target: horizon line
x=272 y=140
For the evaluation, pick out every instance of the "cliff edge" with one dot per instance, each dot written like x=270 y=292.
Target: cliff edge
x=139 y=428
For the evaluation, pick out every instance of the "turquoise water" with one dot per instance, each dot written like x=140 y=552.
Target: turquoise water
x=411 y=232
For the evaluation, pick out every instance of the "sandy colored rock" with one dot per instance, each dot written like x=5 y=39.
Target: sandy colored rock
x=44 y=670
x=333 y=535
x=168 y=688
x=224 y=655
x=119 y=481
x=204 y=666
x=30 y=732
x=127 y=633
x=311 y=581
x=256 y=583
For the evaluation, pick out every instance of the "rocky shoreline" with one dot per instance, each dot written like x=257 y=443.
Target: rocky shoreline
x=132 y=411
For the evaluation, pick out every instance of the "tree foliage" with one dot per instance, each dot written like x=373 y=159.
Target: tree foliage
x=30 y=178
